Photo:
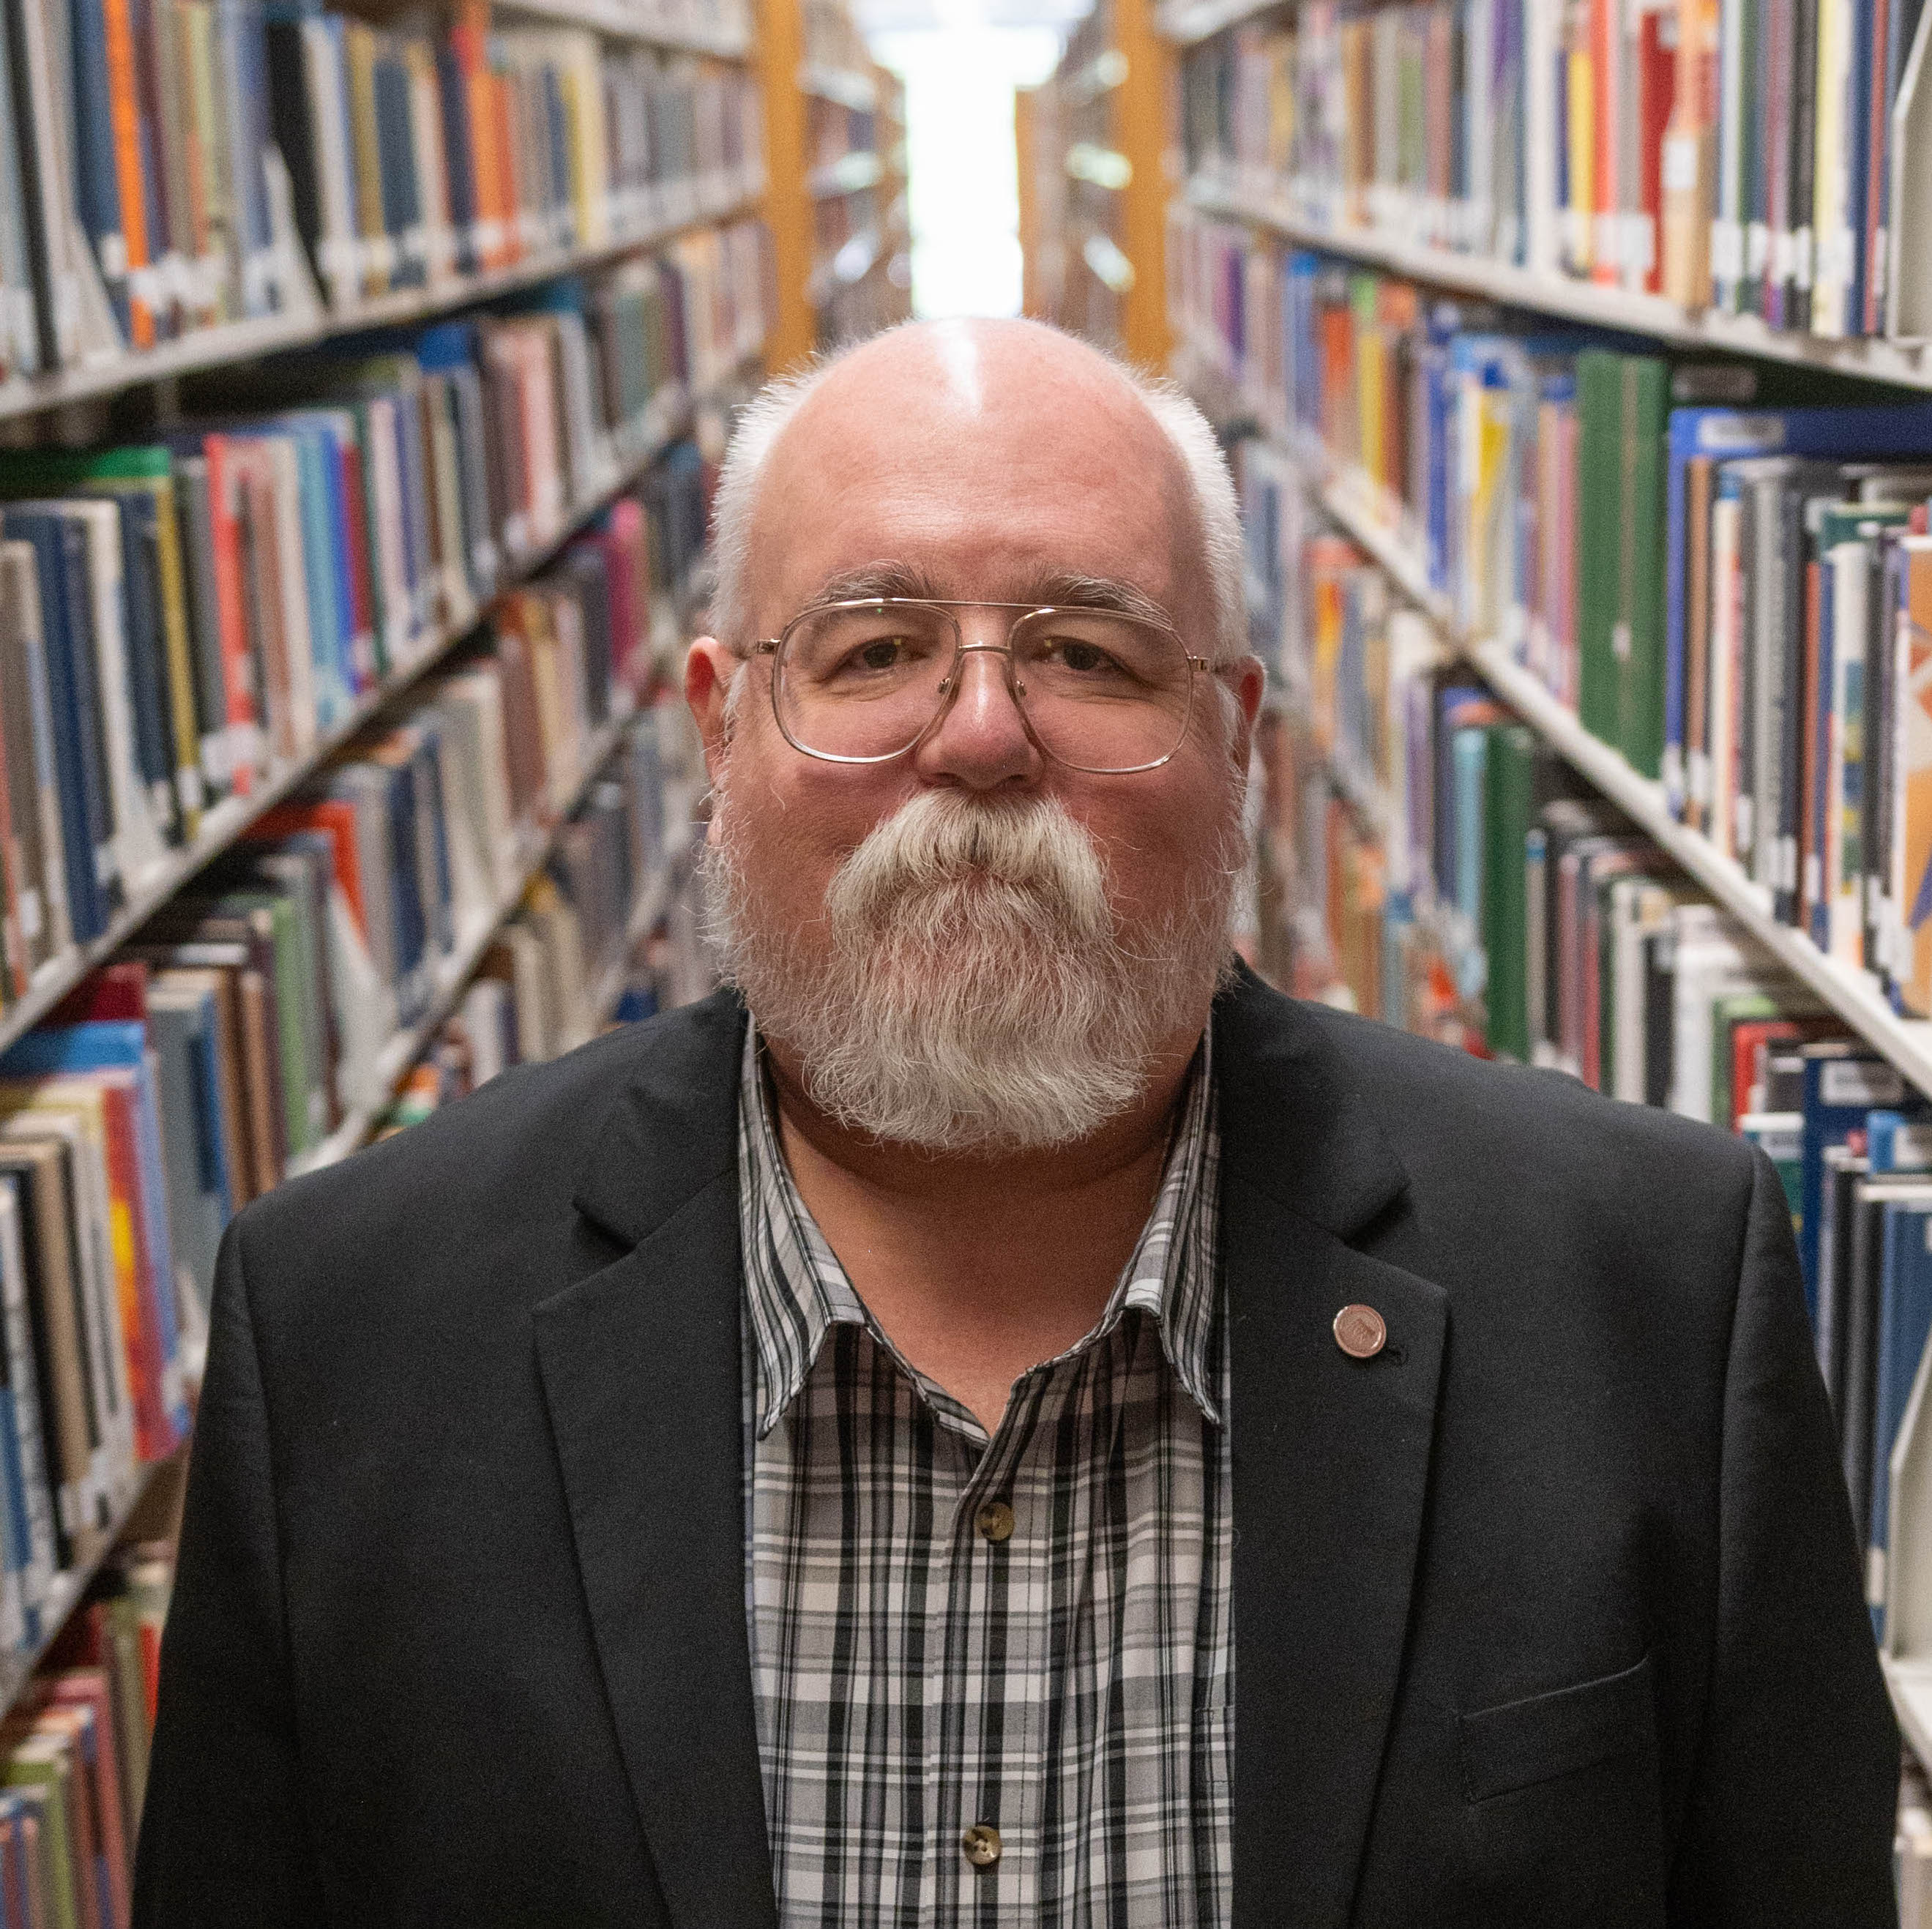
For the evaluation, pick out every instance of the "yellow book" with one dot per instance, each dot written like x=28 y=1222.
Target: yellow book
x=359 y=49
x=1580 y=214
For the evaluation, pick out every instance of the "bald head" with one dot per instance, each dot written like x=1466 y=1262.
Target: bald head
x=929 y=430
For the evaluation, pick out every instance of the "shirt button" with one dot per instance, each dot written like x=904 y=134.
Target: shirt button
x=995 y=1522
x=981 y=1843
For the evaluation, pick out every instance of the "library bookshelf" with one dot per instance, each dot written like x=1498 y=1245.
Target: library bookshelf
x=1376 y=216
x=1354 y=503
x=98 y=396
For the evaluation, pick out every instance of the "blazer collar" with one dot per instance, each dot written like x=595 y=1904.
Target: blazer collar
x=1294 y=1124
x=672 y=1127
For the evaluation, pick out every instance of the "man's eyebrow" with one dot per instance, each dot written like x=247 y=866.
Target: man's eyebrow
x=873 y=579
x=1066 y=590
x=1098 y=592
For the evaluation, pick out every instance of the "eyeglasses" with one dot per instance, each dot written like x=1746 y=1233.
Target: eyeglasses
x=863 y=682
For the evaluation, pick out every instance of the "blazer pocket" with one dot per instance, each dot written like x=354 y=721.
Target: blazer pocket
x=1525 y=1742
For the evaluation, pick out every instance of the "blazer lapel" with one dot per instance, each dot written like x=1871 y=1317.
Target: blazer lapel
x=1331 y=1458
x=640 y=1368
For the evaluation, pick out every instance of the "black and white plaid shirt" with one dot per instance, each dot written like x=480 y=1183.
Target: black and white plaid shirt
x=967 y=1716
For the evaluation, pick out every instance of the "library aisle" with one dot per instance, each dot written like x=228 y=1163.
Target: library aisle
x=1573 y=362
x=362 y=387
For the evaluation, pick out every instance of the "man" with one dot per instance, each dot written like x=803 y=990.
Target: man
x=1031 y=1427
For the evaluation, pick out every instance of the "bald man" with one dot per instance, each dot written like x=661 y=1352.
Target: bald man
x=996 y=1418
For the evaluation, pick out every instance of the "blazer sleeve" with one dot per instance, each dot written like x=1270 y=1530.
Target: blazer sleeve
x=1790 y=1820
x=223 y=1839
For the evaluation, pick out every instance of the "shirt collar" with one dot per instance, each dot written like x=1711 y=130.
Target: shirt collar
x=796 y=1291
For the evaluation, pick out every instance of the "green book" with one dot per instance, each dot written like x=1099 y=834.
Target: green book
x=1509 y=779
x=1637 y=638
x=1733 y=1009
x=38 y=1761
x=1599 y=472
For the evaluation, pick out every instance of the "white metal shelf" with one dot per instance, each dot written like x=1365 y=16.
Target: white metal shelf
x=1871 y=359
x=230 y=820
x=861 y=168
x=1854 y=994
x=709 y=201
x=1184 y=22
x=844 y=89
x=675 y=27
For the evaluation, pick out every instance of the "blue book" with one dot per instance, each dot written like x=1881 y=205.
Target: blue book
x=1858 y=147
x=1897 y=1141
x=557 y=122
x=1470 y=753
x=183 y=1028
x=96 y=183
x=413 y=460
x=1904 y=1322
x=434 y=895
x=459 y=156
x=87 y=831
x=1843 y=1083
x=325 y=530
x=402 y=206
x=1887 y=430
x=29 y=1513
x=241 y=39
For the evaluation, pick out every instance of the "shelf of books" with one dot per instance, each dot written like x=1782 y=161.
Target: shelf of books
x=379 y=180
x=1092 y=186
x=336 y=771
x=1596 y=600
x=1745 y=175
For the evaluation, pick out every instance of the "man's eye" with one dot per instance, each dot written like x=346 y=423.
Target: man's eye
x=1085 y=657
x=882 y=654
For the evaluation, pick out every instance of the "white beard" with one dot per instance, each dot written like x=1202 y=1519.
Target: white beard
x=978 y=994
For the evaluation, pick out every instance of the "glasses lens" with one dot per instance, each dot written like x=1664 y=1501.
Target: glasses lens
x=1102 y=692
x=862 y=680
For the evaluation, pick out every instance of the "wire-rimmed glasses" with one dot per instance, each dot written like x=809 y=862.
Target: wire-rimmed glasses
x=863 y=682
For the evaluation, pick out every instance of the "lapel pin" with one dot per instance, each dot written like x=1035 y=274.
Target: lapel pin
x=1360 y=1332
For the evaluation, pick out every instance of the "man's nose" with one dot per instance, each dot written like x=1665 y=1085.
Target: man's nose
x=980 y=740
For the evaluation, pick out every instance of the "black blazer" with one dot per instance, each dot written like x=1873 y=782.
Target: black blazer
x=1549 y=1614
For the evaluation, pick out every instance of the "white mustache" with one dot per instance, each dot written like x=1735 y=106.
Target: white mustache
x=943 y=837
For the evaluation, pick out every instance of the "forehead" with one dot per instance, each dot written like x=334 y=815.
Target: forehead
x=986 y=487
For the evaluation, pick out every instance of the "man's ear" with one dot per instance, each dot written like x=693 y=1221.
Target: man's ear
x=1247 y=677
x=1246 y=680
x=709 y=669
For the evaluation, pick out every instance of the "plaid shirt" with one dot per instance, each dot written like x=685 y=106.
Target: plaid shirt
x=916 y=1676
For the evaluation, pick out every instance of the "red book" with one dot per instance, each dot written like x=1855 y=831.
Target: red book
x=1751 y=1038
x=241 y=736
x=154 y=1436
x=1657 y=100
x=114 y=993
x=361 y=596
